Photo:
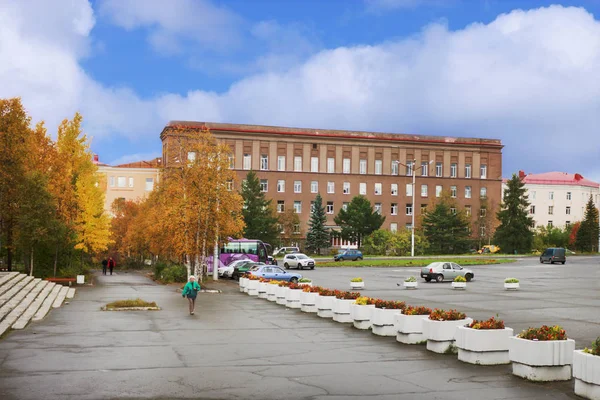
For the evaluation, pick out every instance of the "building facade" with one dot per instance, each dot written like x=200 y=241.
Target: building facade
x=295 y=164
x=559 y=198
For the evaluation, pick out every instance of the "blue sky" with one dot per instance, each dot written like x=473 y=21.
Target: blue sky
x=521 y=71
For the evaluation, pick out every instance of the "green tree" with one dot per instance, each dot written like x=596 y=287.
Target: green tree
x=258 y=213
x=515 y=230
x=384 y=242
x=317 y=237
x=358 y=220
x=587 y=235
x=445 y=227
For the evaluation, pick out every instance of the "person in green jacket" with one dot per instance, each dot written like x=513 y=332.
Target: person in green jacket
x=190 y=290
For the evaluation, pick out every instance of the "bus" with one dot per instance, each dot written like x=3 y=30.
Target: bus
x=241 y=249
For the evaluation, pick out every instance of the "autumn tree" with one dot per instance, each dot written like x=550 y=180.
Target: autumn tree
x=290 y=223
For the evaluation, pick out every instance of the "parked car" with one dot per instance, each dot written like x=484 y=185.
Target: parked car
x=285 y=250
x=244 y=268
x=227 y=271
x=273 y=272
x=445 y=271
x=489 y=249
x=298 y=260
x=554 y=254
x=348 y=255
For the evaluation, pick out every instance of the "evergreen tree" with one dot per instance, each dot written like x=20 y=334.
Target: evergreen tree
x=446 y=229
x=587 y=235
x=515 y=230
x=358 y=220
x=258 y=213
x=317 y=237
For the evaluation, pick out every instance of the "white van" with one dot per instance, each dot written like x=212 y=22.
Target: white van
x=285 y=250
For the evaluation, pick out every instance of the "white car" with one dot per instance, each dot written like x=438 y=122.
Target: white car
x=227 y=271
x=298 y=260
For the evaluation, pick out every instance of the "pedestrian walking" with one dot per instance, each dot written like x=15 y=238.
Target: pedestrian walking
x=111 y=264
x=104 y=264
x=190 y=290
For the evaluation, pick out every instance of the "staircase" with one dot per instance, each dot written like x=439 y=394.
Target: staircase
x=24 y=298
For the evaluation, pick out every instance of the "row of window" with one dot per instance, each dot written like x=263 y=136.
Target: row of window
x=551 y=210
x=123 y=182
x=568 y=195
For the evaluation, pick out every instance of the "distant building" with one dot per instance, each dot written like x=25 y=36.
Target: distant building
x=132 y=181
x=559 y=198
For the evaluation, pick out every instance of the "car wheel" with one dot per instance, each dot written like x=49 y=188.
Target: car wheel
x=359 y=258
x=563 y=263
x=286 y=266
x=439 y=278
x=427 y=279
x=294 y=280
x=313 y=267
x=551 y=262
x=541 y=261
x=468 y=277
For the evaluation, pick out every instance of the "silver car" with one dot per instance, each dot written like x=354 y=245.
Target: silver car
x=298 y=260
x=445 y=271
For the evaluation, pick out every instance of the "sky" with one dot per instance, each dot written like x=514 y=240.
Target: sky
x=525 y=72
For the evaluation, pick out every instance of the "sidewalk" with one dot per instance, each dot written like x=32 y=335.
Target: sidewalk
x=235 y=347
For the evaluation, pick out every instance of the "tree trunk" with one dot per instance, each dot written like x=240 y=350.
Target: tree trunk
x=55 y=259
x=9 y=252
x=31 y=261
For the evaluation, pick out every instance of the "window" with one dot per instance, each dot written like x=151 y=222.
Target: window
x=280 y=206
x=191 y=157
x=281 y=186
x=467 y=170
x=568 y=210
x=533 y=195
x=453 y=210
x=532 y=209
x=297 y=207
x=394 y=227
x=130 y=182
x=346 y=166
x=230 y=185
x=264 y=162
x=362 y=167
x=568 y=195
x=329 y=207
x=438 y=169
x=345 y=206
x=482 y=230
x=453 y=168
x=409 y=168
x=394 y=189
x=409 y=209
x=346 y=188
x=395 y=168
x=409 y=190
x=394 y=210
x=121 y=181
x=280 y=163
x=312 y=207
x=330 y=187
x=378 y=189
x=264 y=185
x=550 y=195
x=149 y=184
x=314 y=187
x=453 y=191
x=231 y=161
x=467 y=192
x=483 y=193
x=424 y=190
x=568 y=224
x=468 y=211
x=438 y=190
x=330 y=165
x=550 y=224
x=482 y=212
x=362 y=188
x=378 y=208
x=298 y=164
x=247 y=161
x=550 y=210
x=483 y=171
x=378 y=167
x=111 y=181
x=297 y=186
x=314 y=164
x=296 y=229
x=424 y=169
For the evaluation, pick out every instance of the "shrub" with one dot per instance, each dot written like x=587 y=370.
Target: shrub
x=595 y=350
x=544 y=333
x=346 y=295
x=356 y=280
x=511 y=280
x=443 y=315
x=295 y=286
x=159 y=267
x=274 y=282
x=283 y=283
x=252 y=277
x=410 y=279
x=327 y=292
x=264 y=280
x=460 y=279
x=390 y=304
x=174 y=273
x=305 y=280
x=363 y=301
x=418 y=310
x=312 y=289
x=491 y=323
x=130 y=303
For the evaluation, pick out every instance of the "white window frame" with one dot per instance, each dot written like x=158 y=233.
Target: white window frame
x=468 y=211
x=483 y=171
x=281 y=186
x=395 y=167
x=424 y=168
x=150 y=187
x=264 y=162
x=362 y=167
x=191 y=156
x=394 y=209
x=568 y=210
x=532 y=209
x=297 y=163
x=297 y=186
x=130 y=182
x=298 y=207
x=229 y=185
x=453 y=191
x=409 y=190
x=394 y=227
x=330 y=165
x=378 y=167
x=362 y=189
x=377 y=189
x=483 y=192
x=247 y=161
x=468 y=171
x=568 y=195
x=439 y=169
x=314 y=164
x=409 y=168
x=265 y=188
x=280 y=206
x=280 y=163
x=394 y=189
x=550 y=210
x=345 y=206
x=314 y=186
x=468 y=192
x=377 y=208
x=550 y=195
x=346 y=188
x=330 y=187
x=409 y=209
x=111 y=181
x=453 y=170
x=231 y=159
x=438 y=190
x=346 y=165
x=424 y=191
x=329 y=207
x=121 y=181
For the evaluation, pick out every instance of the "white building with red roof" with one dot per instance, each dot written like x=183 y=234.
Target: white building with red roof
x=559 y=198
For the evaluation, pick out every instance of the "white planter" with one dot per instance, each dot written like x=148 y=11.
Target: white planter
x=325 y=306
x=292 y=298
x=308 y=302
x=483 y=346
x=440 y=335
x=80 y=279
x=382 y=321
x=409 y=328
x=271 y=292
x=586 y=371
x=410 y=285
x=361 y=315
x=242 y=283
x=262 y=290
x=341 y=310
x=459 y=285
x=511 y=286
x=252 y=287
x=357 y=285
x=535 y=360
x=281 y=294
x=304 y=283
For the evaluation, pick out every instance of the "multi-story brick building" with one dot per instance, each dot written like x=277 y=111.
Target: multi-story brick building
x=294 y=164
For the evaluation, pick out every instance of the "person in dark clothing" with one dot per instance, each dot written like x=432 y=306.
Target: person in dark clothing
x=104 y=264
x=111 y=264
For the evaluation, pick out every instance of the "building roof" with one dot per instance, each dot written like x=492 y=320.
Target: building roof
x=558 y=178
x=330 y=133
x=156 y=163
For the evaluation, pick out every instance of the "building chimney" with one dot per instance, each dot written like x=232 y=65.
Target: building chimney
x=522 y=174
x=95 y=158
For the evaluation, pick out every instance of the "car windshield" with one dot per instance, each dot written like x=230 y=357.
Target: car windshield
x=435 y=265
x=301 y=256
x=255 y=268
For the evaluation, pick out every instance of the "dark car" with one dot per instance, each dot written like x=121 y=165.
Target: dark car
x=348 y=255
x=554 y=254
x=244 y=268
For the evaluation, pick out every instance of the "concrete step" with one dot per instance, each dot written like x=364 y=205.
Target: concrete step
x=9 y=284
x=34 y=307
x=61 y=297
x=71 y=293
x=7 y=276
x=47 y=304
x=18 y=296
x=16 y=312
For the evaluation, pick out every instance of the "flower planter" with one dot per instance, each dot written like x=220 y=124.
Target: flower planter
x=361 y=315
x=538 y=360
x=382 y=321
x=262 y=290
x=357 y=285
x=281 y=294
x=511 y=286
x=242 y=282
x=292 y=298
x=459 y=285
x=483 y=346
x=271 y=292
x=308 y=302
x=325 y=306
x=341 y=310
x=253 y=287
x=304 y=283
x=410 y=285
x=586 y=371
x=440 y=335
x=409 y=328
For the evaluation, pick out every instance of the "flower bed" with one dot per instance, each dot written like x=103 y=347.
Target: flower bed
x=308 y=298
x=409 y=324
x=281 y=292
x=325 y=303
x=483 y=342
x=262 y=289
x=271 y=290
x=341 y=306
x=292 y=296
x=410 y=283
x=440 y=329
x=305 y=282
x=242 y=283
x=586 y=371
x=360 y=312
x=357 y=283
x=252 y=285
x=511 y=284
x=383 y=317
x=459 y=283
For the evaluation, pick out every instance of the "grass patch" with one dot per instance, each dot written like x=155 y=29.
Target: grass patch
x=415 y=263
x=131 y=304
